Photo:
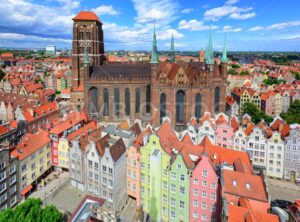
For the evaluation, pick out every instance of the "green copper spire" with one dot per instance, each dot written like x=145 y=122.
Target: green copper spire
x=172 y=50
x=154 y=54
x=224 y=55
x=206 y=52
x=210 y=55
x=86 y=54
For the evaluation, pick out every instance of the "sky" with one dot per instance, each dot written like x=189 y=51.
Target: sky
x=251 y=25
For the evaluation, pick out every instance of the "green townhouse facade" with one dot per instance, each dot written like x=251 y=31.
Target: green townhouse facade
x=164 y=183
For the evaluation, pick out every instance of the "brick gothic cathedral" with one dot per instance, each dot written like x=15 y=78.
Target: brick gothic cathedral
x=148 y=91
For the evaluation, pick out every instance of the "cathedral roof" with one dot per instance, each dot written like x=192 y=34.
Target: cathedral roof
x=87 y=16
x=121 y=71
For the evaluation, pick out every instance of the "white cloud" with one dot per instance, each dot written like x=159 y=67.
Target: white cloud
x=231 y=2
x=229 y=10
x=256 y=28
x=283 y=25
x=105 y=10
x=242 y=16
x=194 y=25
x=228 y=28
x=187 y=10
x=167 y=34
x=164 y=11
x=32 y=38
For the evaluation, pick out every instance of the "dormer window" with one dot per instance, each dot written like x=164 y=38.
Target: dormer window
x=234 y=183
x=248 y=186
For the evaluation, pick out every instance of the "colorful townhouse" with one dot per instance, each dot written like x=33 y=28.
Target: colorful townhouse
x=240 y=140
x=204 y=191
x=154 y=164
x=34 y=157
x=292 y=154
x=241 y=96
x=133 y=166
x=275 y=156
x=64 y=144
x=71 y=123
x=206 y=128
x=224 y=132
x=257 y=148
x=271 y=103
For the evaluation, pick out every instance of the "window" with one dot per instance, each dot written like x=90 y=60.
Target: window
x=204 y=183
x=127 y=102
x=213 y=185
x=173 y=188
x=173 y=202
x=195 y=214
x=248 y=186
x=203 y=206
x=173 y=214
x=165 y=199
x=182 y=190
x=93 y=98
x=163 y=99
x=117 y=101
x=198 y=105
x=213 y=196
x=181 y=204
x=182 y=177
x=203 y=217
x=204 y=194
x=212 y=208
x=217 y=100
x=96 y=165
x=110 y=171
x=195 y=203
x=180 y=106
x=195 y=192
x=90 y=163
x=165 y=185
x=105 y=102
x=2 y=175
x=173 y=175
x=204 y=173
x=137 y=100
x=196 y=181
x=179 y=166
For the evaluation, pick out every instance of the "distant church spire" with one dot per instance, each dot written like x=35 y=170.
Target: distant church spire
x=210 y=54
x=224 y=55
x=172 y=49
x=86 y=54
x=154 y=54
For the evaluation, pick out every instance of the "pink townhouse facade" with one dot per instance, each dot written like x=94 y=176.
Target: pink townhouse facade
x=133 y=174
x=224 y=133
x=204 y=192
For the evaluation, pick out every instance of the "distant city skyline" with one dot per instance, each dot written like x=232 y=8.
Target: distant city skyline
x=252 y=25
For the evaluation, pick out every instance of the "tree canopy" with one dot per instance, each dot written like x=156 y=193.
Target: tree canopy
x=256 y=115
x=293 y=113
x=31 y=210
x=271 y=81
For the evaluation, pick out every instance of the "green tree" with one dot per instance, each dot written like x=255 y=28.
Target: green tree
x=235 y=66
x=256 y=115
x=232 y=72
x=244 y=73
x=2 y=74
x=297 y=76
x=31 y=210
x=293 y=114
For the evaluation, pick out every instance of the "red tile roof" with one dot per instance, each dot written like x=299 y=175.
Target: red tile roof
x=256 y=191
x=234 y=123
x=91 y=126
x=87 y=16
x=30 y=144
x=46 y=108
x=3 y=130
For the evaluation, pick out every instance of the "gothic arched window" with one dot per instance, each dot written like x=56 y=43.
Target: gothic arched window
x=105 y=102
x=198 y=107
x=180 y=111
x=148 y=96
x=93 y=100
x=127 y=102
x=217 y=100
x=163 y=100
x=137 y=100
x=117 y=101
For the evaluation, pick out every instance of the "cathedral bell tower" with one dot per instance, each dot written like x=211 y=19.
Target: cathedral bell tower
x=87 y=37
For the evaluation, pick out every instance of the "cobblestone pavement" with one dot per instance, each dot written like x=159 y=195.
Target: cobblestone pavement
x=42 y=192
x=66 y=198
x=281 y=189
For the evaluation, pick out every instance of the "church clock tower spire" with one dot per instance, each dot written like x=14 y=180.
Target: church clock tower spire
x=172 y=49
x=154 y=54
x=224 y=55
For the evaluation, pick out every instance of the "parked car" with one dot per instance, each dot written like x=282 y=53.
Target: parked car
x=280 y=203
